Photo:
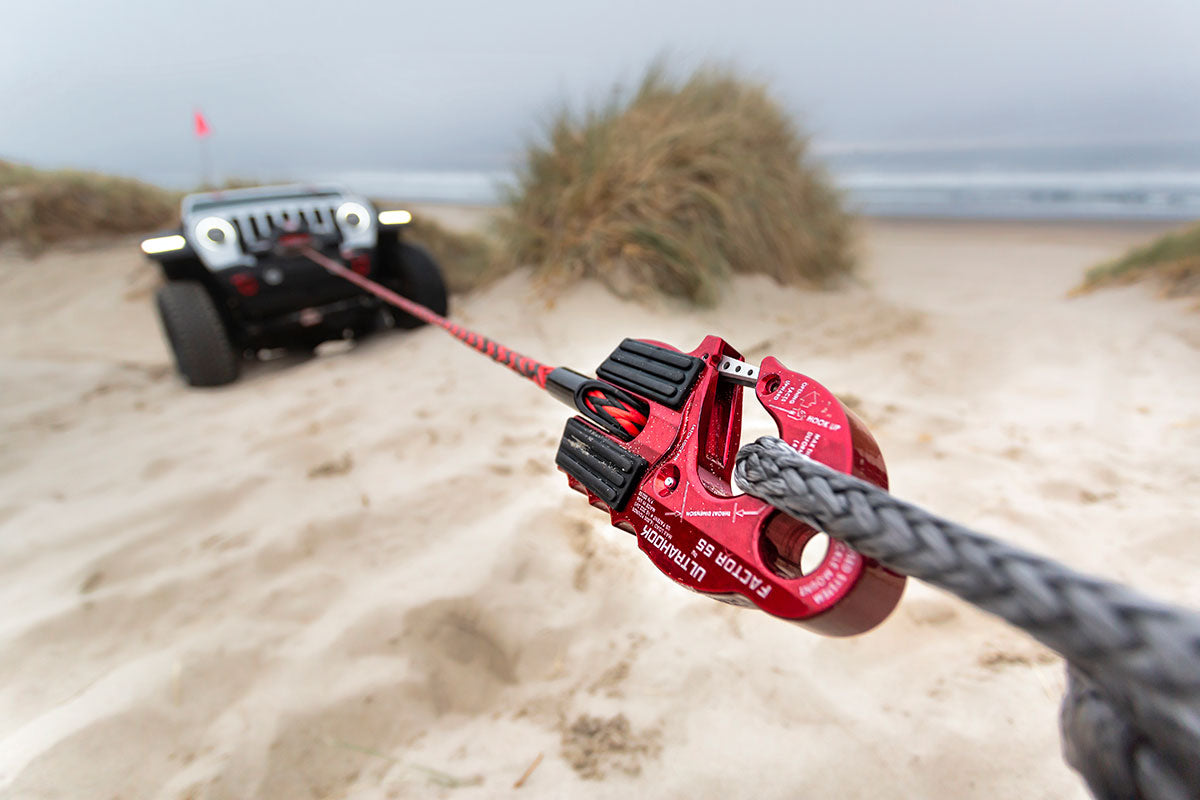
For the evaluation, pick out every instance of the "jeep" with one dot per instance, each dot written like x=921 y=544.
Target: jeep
x=237 y=284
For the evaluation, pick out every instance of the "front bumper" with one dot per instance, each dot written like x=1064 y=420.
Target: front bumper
x=313 y=324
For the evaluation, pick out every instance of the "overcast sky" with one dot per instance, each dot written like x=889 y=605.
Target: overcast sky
x=387 y=84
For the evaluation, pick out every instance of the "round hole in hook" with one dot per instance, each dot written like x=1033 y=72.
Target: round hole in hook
x=791 y=549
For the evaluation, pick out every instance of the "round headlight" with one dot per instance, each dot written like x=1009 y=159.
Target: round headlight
x=214 y=233
x=354 y=216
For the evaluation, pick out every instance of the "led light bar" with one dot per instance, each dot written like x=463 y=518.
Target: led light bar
x=163 y=244
x=398 y=217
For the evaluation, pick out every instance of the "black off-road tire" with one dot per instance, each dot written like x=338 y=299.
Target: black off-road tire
x=197 y=335
x=417 y=276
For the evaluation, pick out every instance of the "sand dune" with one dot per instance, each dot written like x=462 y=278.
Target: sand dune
x=360 y=576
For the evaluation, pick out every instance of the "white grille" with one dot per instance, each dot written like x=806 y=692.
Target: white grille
x=255 y=223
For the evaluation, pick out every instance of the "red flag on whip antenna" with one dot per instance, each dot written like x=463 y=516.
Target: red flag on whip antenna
x=202 y=135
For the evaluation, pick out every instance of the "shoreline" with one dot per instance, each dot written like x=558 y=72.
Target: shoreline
x=464 y=213
x=1124 y=224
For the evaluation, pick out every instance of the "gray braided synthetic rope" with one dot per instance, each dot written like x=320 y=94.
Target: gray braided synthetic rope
x=1131 y=718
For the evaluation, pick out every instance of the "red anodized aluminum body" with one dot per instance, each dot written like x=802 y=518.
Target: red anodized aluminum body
x=684 y=514
x=737 y=548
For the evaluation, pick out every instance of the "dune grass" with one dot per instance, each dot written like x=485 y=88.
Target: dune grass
x=674 y=189
x=1171 y=261
x=40 y=208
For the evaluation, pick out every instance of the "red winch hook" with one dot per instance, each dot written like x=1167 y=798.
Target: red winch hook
x=655 y=449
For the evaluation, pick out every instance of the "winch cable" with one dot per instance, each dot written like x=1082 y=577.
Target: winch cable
x=522 y=365
x=617 y=411
x=1130 y=719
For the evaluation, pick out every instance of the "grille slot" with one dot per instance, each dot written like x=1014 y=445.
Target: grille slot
x=255 y=224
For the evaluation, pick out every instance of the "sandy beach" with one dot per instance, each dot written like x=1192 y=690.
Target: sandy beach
x=359 y=575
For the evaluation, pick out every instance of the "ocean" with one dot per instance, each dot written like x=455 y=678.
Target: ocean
x=1064 y=181
x=1133 y=181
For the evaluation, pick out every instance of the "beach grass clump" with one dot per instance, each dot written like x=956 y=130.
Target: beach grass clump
x=675 y=188
x=1172 y=262
x=39 y=208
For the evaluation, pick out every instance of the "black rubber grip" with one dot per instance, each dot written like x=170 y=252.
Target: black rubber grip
x=606 y=469
x=654 y=372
